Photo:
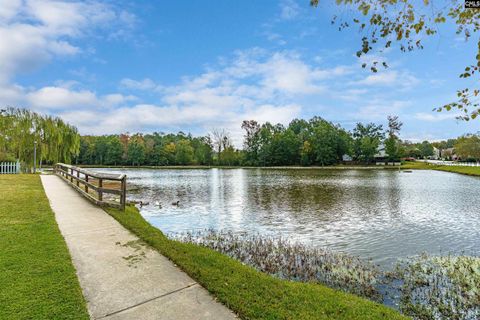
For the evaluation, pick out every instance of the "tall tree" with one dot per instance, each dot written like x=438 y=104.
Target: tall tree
x=183 y=152
x=20 y=129
x=251 y=141
x=136 y=150
x=114 y=151
x=392 y=142
x=366 y=140
x=219 y=137
x=426 y=149
x=468 y=147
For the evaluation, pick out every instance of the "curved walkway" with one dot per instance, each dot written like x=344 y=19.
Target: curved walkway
x=121 y=277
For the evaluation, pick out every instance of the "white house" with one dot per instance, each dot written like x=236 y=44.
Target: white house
x=436 y=154
x=381 y=154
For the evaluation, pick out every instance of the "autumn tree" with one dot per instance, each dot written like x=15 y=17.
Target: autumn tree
x=468 y=146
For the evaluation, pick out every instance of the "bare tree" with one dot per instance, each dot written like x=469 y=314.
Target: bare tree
x=220 y=139
x=394 y=126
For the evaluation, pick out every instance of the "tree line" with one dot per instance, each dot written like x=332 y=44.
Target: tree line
x=465 y=148
x=303 y=142
x=313 y=142
x=20 y=129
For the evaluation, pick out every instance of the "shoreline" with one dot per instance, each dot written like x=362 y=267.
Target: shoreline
x=464 y=170
x=337 y=167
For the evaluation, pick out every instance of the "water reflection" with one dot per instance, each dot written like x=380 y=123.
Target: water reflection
x=380 y=215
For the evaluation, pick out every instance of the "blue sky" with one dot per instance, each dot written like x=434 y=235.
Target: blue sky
x=115 y=66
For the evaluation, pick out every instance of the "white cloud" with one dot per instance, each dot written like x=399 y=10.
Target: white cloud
x=390 y=78
x=290 y=75
x=11 y=95
x=253 y=85
x=60 y=98
x=379 y=108
x=116 y=99
x=289 y=10
x=145 y=84
x=146 y=117
x=67 y=97
x=9 y=9
x=434 y=117
x=34 y=31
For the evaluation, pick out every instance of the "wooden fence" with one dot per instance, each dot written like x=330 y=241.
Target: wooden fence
x=452 y=163
x=9 y=167
x=103 y=189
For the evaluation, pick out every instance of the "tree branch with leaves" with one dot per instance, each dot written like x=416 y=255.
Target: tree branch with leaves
x=405 y=23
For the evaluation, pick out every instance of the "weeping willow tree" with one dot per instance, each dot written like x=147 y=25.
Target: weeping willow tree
x=20 y=129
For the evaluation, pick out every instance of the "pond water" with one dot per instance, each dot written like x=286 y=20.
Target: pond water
x=380 y=215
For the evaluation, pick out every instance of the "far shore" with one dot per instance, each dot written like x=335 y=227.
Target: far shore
x=335 y=167
x=471 y=171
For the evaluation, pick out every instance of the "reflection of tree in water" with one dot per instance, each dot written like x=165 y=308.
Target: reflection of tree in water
x=393 y=193
x=298 y=194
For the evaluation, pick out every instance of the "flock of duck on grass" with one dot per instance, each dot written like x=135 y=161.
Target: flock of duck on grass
x=424 y=287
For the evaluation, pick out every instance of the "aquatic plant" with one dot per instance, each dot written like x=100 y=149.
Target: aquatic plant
x=423 y=287
x=292 y=261
x=446 y=287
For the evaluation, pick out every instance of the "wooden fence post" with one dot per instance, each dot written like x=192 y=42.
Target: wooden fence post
x=100 y=193
x=123 y=196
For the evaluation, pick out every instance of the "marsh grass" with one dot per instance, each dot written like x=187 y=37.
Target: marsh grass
x=293 y=261
x=423 y=287
x=446 y=287
x=252 y=294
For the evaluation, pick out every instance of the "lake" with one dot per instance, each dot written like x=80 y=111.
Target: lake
x=380 y=215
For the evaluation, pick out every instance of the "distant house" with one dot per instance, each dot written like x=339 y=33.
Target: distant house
x=448 y=154
x=436 y=154
x=381 y=155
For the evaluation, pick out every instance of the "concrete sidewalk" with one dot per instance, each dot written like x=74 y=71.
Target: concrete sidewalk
x=121 y=277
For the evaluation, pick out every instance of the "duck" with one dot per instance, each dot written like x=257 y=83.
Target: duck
x=158 y=204
x=143 y=204
x=176 y=203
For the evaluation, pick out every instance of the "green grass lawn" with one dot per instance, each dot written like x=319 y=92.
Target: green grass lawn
x=250 y=293
x=37 y=278
x=471 y=171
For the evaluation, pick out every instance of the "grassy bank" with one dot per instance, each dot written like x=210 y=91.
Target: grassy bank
x=37 y=278
x=471 y=171
x=250 y=293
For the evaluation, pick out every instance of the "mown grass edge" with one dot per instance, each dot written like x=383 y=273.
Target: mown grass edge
x=470 y=171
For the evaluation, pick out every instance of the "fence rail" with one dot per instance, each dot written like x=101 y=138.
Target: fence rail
x=103 y=189
x=452 y=163
x=9 y=167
